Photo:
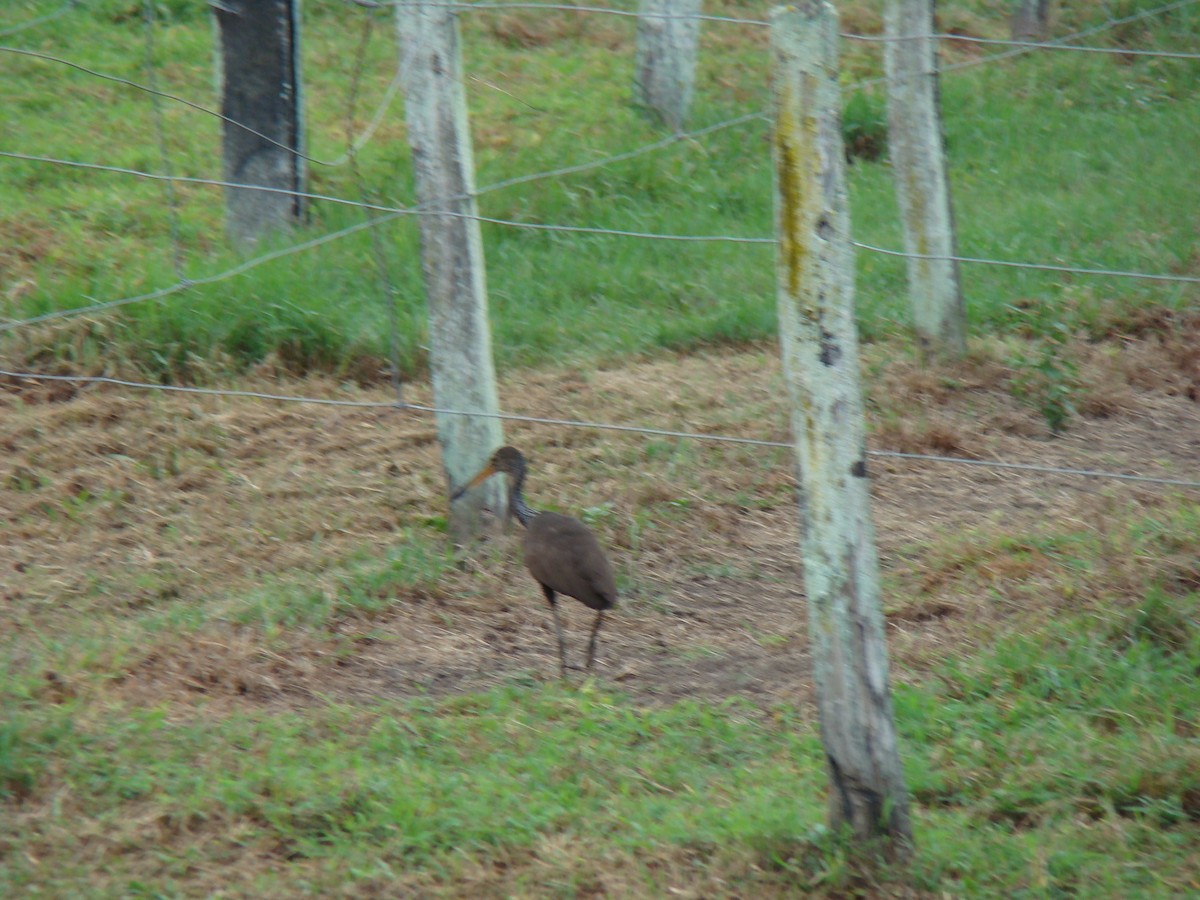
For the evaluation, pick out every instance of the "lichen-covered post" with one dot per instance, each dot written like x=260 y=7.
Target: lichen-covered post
x=918 y=152
x=819 y=346
x=665 y=69
x=460 y=342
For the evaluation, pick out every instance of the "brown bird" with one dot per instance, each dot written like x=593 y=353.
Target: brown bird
x=560 y=552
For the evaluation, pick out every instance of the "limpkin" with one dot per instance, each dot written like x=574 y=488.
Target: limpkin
x=561 y=554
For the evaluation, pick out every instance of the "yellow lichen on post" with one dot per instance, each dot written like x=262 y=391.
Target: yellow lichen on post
x=819 y=346
x=796 y=137
x=787 y=162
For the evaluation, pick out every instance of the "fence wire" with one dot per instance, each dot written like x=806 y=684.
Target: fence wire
x=644 y=430
x=391 y=213
x=394 y=211
x=41 y=20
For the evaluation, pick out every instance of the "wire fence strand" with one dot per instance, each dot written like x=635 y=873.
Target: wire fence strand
x=1045 y=267
x=183 y=285
x=198 y=107
x=390 y=213
x=1054 y=45
x=393 y=212
x=41 y=20
x=398 y=210
x=1075 y=36
x=585 y=424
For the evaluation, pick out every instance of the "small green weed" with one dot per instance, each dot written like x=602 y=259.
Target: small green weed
x=1168 y=621
x=864 y=127
x=1048 y=378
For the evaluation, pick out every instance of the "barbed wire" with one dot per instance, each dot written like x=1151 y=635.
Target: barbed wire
x=41 y=20
x=548 y=174
x=1048 y=267
x=378 y=207
x=604 y=10
x=1074 y=36
x=185 y=284
x=553 y=228
x=390 y=213
x=389 y=96
x=1019 y=47
x=585 y=424
x=624 y=156
x=1050 y=45
x=393 y=86
x=393 y=212
x=1022 y=47
x=1027 y=47
x=558 y=7
x=763 y=23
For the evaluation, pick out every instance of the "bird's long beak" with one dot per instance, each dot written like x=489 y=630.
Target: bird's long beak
x=484 y=474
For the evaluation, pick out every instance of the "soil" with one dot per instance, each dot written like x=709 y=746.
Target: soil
x=125 y=506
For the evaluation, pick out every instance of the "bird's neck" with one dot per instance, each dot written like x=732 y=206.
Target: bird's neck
x=516 y=503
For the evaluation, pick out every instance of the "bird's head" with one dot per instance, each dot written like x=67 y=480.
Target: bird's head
x=505 y=461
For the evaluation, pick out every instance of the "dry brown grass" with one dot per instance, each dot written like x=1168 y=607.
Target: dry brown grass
x=118 y=504
x=123 y=509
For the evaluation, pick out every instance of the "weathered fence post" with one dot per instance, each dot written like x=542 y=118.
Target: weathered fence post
x=1030 y=20
x=460 y=342
x=918 y=154
x=665 y=67
x=819 y=346
x=260 y=88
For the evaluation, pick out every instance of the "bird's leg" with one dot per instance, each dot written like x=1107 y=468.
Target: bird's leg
x=592 y=640
x=562 y=644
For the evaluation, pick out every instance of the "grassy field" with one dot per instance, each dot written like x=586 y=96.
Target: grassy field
x=1069 y=158
x=237 y=660
x=250 y=668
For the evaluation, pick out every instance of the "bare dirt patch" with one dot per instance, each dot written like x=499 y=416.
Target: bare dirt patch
x=121 y=506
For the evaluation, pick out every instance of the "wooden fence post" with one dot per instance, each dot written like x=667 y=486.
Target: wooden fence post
x=665 y=68
x=460 y=342
x=918 y=152
x=819 y=346
x=1030 y=20
x=260 y=88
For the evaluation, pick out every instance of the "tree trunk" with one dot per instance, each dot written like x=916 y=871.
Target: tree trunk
x=819 y=347
x=460 y=343
x=922 y=184
x=665 y=69
x=260 y=89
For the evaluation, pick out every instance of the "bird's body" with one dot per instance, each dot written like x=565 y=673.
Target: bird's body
x=561 y=553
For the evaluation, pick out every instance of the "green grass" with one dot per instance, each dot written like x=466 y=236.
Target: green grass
x=1055 y=762
x=363 y=588
x=1056 y=756
x=1060 y=158
x=425 y=786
